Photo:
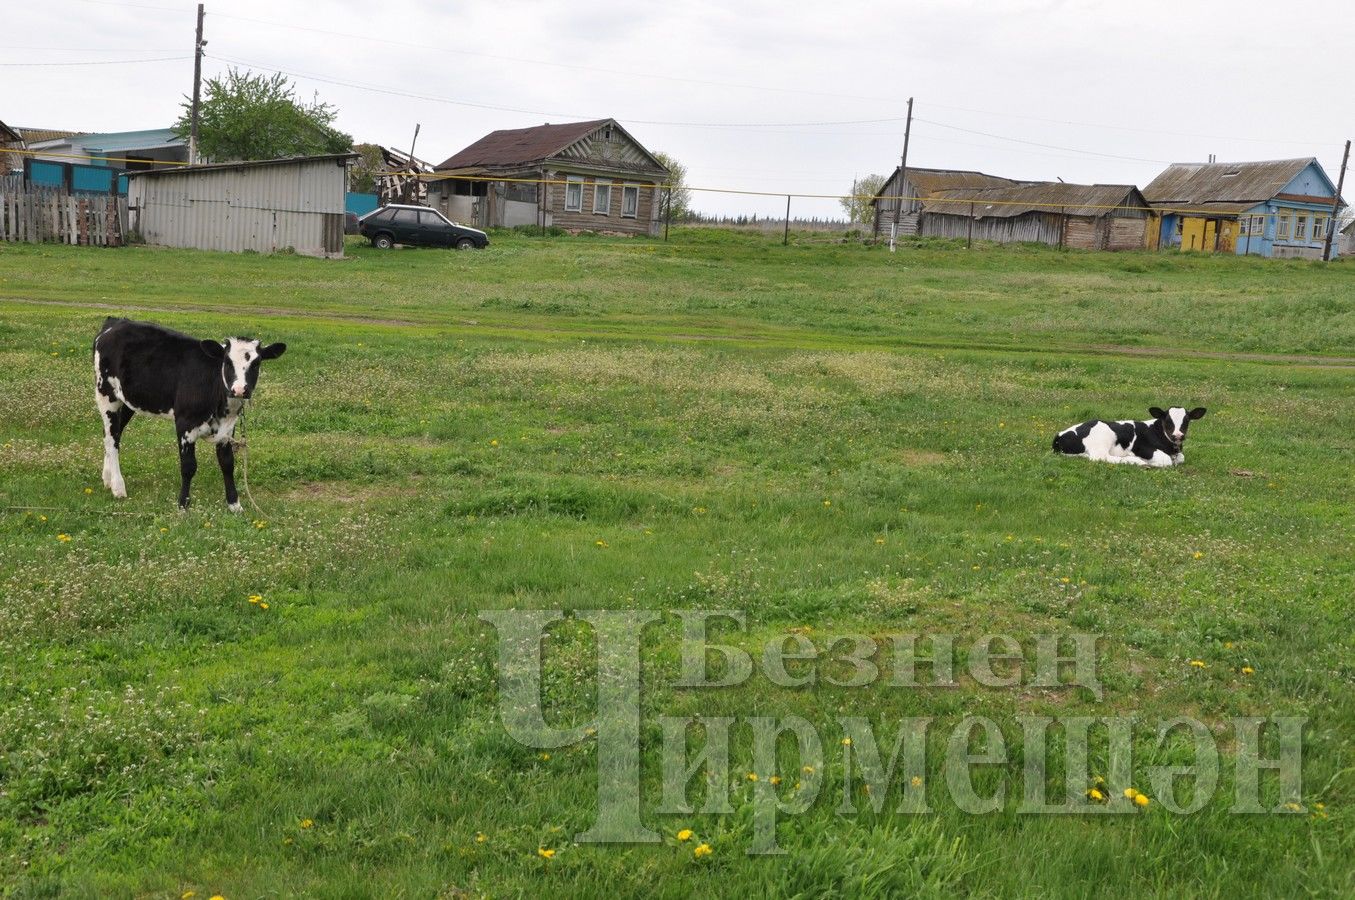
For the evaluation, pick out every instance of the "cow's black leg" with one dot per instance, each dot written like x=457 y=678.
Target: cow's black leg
x=188 y=466
x=225 y=456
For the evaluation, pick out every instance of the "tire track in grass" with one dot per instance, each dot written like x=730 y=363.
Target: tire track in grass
x=759 y=336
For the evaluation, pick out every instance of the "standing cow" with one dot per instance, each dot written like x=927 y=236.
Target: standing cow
x=201 y=384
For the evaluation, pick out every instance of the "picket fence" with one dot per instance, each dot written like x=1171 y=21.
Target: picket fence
x=36 y=215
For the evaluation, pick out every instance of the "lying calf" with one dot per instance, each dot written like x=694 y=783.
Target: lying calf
x=1156 y=442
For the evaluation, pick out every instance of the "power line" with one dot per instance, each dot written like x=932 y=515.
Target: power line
x=99 y=62
x=297 y=73
x=1046 y=146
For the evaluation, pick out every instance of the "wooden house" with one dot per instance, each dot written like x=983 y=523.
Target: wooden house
x=1080 y=216
x=581 y=176
x=1276 y=207
x=919 y=184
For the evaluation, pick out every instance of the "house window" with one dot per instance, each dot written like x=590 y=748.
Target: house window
x=602 y=198
x=1319 y=228
x=1244 y=226
x=1300 y=228
x=573 y=194
x=630 y=201
x=1258 y=226
x=1282 y=229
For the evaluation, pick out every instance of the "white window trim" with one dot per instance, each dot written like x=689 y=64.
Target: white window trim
x=1301 y=226
x=627 y=188
x=570 y=181
x=1319 y=227
x=1284 y=225
x=606 y=210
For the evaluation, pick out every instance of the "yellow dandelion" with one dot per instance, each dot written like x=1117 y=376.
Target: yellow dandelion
x=1292 y=807
x=263 y=605
x=702 y=850
x=590 y=731
x=1066 y=580
x=89 y=490
x=480 y=837
x=808 y=770
x=259 y=523
x=545 y=853
x=798 y=785
x=1141 y=799
x=307 y=823
x=164 y=531
x=255 y=598
x=1248 y=670
x=879 y=540
x=1001 y=424
x=775 y=780
x=1130 y=793
x=828 y=503
x=752 y=776
x=1199 y=664
x=545 y=757
x=494 y=443
x=63 y=538
x=975 y=568
x=685 y=834
x=1197 y=555
x=42 y=518
x=216 y=897
x=916 y=781
x=1096 y=795
x=1227 y=645
x=602 y=545
x=187 y=895
x=287 y=842
x=846 y=742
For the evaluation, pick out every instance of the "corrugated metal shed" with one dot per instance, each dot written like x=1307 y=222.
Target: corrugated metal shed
x=264 y=206
x=1090 y=200
x=1223 y=187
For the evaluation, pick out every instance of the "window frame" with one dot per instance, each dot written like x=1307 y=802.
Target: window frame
x=631 y=190
x=574 y=182
x=1301 y=226
x=1319 y=227
x=1283 y=228
x=599 y=185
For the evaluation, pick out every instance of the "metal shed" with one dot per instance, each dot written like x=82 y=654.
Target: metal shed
x=264 y=205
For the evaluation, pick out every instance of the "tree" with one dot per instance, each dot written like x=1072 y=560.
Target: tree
x=363 y=175
x=677 y=177
x=248 y=116
x=857 y=207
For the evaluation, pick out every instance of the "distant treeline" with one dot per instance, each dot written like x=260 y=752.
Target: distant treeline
x=769 y=223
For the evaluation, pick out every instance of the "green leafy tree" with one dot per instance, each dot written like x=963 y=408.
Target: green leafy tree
x=681 y=196
x=857 y=206
x=248 y=116
x=365 y=171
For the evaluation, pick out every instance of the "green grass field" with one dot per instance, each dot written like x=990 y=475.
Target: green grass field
x=828 y=437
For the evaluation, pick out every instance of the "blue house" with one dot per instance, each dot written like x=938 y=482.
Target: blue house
x=1280 y=208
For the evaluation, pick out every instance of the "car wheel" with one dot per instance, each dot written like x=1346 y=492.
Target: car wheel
x=465 y=244
x=383 y=242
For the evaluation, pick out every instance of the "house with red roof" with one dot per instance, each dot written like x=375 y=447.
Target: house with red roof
x=580 y=176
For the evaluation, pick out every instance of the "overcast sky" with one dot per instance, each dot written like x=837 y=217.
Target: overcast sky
x=750 y=95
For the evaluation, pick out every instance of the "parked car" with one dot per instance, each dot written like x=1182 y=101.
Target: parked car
x=418 y=226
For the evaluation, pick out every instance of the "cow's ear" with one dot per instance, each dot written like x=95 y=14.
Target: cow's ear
x=1157 y=412
x=273 y=351
x=1196 y=413
x=213 y=349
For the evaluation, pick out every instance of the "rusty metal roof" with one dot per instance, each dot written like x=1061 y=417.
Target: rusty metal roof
x=1093 y=200
x=519 y=146
x=1225 y=187
x=928 y=181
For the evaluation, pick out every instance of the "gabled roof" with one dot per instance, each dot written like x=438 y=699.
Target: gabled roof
x=525 y=146
x=9 y=135
x=37 y=135
x=1093 y=200
x=1225 y=187
x=928 y=181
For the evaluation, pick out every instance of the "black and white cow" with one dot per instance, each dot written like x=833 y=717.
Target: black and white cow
x=1155 y=442
x=201 y=385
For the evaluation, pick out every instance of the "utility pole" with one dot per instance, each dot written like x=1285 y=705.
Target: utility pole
x=903 y=175
x=198 y=44
x=785 y=240
x=414 y=169
x=1336 y=205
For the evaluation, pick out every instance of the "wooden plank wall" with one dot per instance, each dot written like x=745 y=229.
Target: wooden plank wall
x=53 y=216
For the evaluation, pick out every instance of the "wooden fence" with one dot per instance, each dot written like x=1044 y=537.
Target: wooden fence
x=47 y=215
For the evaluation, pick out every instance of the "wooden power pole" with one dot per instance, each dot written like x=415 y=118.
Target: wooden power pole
x=1336 y=205
x=903 y=175
x=198 y=44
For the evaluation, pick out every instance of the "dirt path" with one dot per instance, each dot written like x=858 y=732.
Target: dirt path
x=620 y=332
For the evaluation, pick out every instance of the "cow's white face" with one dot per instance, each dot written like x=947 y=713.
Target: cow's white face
x=240 y=358
x=1176 y=420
